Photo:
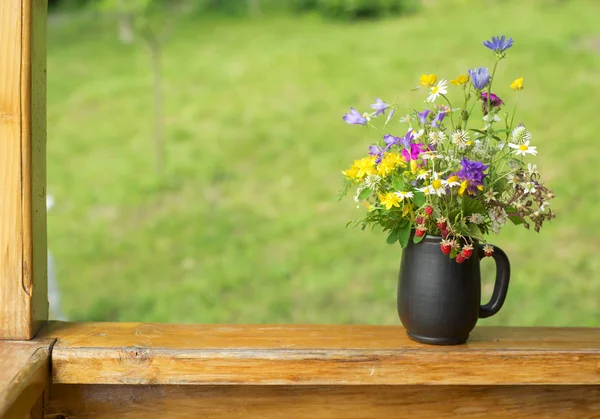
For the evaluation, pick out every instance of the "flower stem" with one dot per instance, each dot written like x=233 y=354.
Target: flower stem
x=451 y=116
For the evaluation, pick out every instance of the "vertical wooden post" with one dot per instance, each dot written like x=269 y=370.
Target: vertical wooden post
x=23 y=254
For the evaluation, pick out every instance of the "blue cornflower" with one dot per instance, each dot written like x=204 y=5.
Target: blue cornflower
x=480 y=76
x=379 y=106
x=354 y=117
x=499 y=44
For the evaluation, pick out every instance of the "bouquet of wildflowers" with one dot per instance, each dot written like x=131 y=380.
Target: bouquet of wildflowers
x=456 y=172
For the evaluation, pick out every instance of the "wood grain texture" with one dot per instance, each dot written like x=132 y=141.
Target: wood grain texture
x=24 y=375
x=324 y=402
x=138 y=353
x=23 y=265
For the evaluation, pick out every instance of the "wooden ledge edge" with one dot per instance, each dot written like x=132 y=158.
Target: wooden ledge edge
x=154 y=354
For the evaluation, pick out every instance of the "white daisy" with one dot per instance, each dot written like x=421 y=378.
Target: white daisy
x=423 y=174
x=452 y=181
x=417 y=134
x=437 y=90
x=520 y=134
x=529 y=187
x=523 y=149
x=430 y=155
x=460 y=138
x=436 y=137
x=402 y=195
x=437 y=186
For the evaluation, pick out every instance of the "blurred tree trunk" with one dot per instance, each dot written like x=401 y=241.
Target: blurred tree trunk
x=125 y=24
x=156 y=63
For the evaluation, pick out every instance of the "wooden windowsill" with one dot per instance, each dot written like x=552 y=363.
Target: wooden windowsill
x=146 y=353
x=24 y=375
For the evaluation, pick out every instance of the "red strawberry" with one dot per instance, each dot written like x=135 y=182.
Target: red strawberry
x=429 y=210
x=467 y=251
x=445 y=233
x=420 y=219
x=446 y=246
x=420 y=231
x=460 y=258
x=488 y=250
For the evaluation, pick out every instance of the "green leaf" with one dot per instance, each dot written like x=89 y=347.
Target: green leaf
x=398 y=183
x=472 y=206
x=479 y=131
x=502 y=130
x=419 y=199
x=516 y=220
x=453 y=253
x=418 y=239
x=404 y=235
x=392 y=237
x=365 y=193
x=475 y=232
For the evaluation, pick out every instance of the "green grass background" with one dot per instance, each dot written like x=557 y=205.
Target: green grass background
x=245 y=226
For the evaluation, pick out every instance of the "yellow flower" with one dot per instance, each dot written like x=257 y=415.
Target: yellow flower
x=365 y=167
x=460 y=80
x=414 y=166
x=389 y=162
x=351 y=173
x=463 y=187
x=517 y=84
x=427 y=80
x=390 y=200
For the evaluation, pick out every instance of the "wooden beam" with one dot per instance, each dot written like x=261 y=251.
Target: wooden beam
x=323 y=402
x=138 y=353
x=23 y=286
x=24 y=376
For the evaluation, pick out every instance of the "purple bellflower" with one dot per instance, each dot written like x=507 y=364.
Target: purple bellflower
x=375 y=150
x=423 y=116
x=480 y=76
x=390 y=140
x=379 y=106
x=499 y=44
x=437 y=121
x=354 y=117
x=472 y=171
x=407 y=140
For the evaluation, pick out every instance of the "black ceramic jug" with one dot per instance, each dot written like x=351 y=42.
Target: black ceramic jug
x=439 y=299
